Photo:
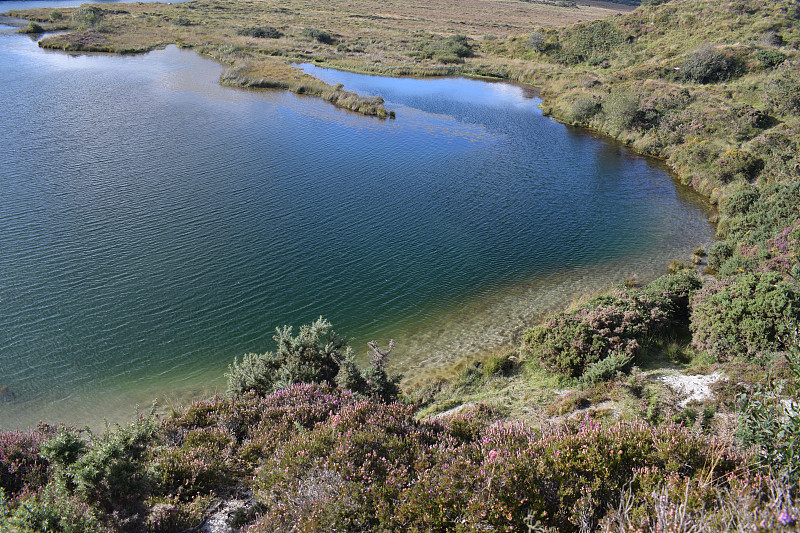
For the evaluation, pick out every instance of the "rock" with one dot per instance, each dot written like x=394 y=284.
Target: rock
x=220 y=521
x=694 y=388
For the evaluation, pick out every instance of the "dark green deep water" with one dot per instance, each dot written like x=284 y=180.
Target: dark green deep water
x=154 y=225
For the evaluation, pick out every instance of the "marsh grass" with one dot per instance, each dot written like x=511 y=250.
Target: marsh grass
x=268 y=36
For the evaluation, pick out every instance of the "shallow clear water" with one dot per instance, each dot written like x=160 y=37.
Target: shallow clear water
x=154 y=225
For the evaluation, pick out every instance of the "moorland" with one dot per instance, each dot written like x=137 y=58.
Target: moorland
x=587 y=423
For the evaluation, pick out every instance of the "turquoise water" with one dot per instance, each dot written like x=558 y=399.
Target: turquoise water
x=154 y=225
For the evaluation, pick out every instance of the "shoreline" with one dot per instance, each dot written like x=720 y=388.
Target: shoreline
x=478 y=348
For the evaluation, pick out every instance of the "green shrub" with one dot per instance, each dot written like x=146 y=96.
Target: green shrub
x=719 y=252
x=769 y=419
x=50 y=511
x=316 y=355
x=770 y=423
x=607 y=368
x=64 y=449
x=569 y=343
x=500 y=364
x=678 y=288
x=739 y=201
x=744 y=317
x=261 y=32
x=182 y=21
x=770 y=58
x=32 y=28
x=737 y=165
x=710 y=65
x=310 y=357
x=582 y=109
x=56 y=15
x=736 y=265
x=537 y=42
x=320 y=36
x=781 y=90
x=620 y=109
x=88 y=17
x=113 y=467
x=450 y=50
x=566 y=344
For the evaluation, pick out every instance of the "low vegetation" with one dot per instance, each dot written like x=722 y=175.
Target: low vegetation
x=577 y=428
x=321 y=456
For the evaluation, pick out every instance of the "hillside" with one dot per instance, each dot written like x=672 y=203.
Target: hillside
x=668 y=407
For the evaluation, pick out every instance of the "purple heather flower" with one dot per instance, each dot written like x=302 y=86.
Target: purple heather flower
x=786 y=519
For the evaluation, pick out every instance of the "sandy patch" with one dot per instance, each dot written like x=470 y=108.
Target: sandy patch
x=693 y=388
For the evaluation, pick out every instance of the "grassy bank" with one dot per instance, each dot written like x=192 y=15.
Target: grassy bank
x=260 y=39
x=589 y=423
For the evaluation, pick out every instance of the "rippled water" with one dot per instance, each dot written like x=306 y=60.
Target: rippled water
x=154 y=225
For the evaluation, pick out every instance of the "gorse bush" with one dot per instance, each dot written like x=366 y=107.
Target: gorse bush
x=607 y=368
x=261 y=32
x=710 y=65
x=88 y=17
x=770 y=58
x=52 y=511
x=719 y=252
x=583 y=109
x=32 y=27
x=620 y=108
x=320 y=36
x=316 y=355
x=770 y=423
x=744 y=317
x=182 y=21
x=453 y=49
x=781 y=90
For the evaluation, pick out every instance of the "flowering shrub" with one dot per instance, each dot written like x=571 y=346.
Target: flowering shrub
x=569 y=342
x=320 y=458
x=168 y=515
x=375 y=467
x=200 y=464
x=21 y=467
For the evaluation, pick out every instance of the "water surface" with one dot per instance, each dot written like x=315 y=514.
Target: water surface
x=154 y=225
x=13 y=5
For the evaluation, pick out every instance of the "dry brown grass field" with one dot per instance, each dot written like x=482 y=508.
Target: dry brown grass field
x=392 y=37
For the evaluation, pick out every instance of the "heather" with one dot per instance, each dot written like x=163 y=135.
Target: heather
x=574 y=427
x=319 y=457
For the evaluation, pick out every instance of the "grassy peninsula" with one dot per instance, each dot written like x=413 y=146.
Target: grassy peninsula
x=666 y=407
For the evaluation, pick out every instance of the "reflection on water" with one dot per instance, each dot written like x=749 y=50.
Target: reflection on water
x=13 y=5
x=155 y=225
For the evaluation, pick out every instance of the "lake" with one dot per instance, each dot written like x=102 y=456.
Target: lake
x=155 y=225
